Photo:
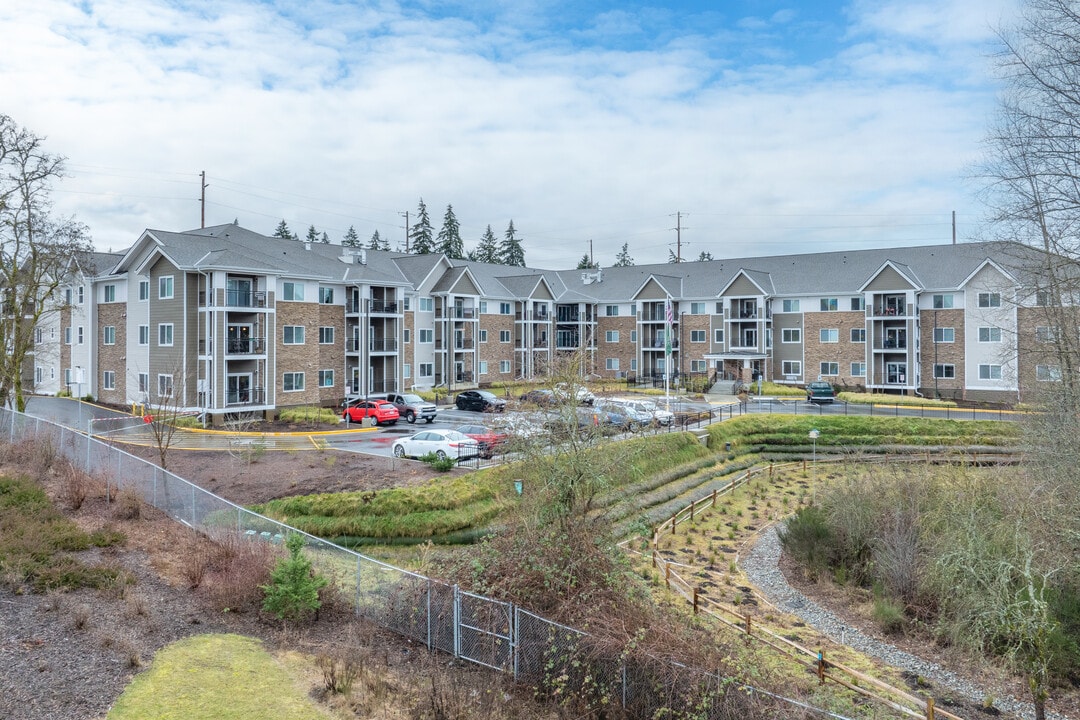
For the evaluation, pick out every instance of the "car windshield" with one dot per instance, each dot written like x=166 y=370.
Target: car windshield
x=411 y=399
x=485 y=394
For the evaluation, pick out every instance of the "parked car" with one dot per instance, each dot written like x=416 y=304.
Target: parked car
x=614 y=416
x=659 y=415
x=480 y=401
x=630 y=408
x=539 y=396
x=487 y=438
x=579 y=392
x=383 y=412
x=443 y=443
x=411 y=407
x=820 y=392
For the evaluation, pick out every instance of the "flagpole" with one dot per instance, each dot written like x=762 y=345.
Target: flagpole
x=667 y=351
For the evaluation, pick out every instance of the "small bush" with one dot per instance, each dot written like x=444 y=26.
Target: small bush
x=293 y=590
x=128 y=506
x=235 y=571
x=808 y=539
x=889 y=615
x=338 y=673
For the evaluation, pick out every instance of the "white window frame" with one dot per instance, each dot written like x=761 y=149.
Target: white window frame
x=504 y=336
x=144 y=334
x=326 y=378
x=943 y=302
x=109 y=293
x=144 y=382
x=611 y=311
x=326 y=336
x=483 y=336
x=108 y=380
x=406 y=371
x=290 y=378
x=165 y=385
x=165 y=335
x=718 y=336
x=828 y=336
x=829 y=368
x=425 y=336
x=830 y=304
x=1045 y=334
x=698 y=336
x=166 y=288
x=944 y=371
x=292 y=335
x=504 y=366
x=326 y=295
x=989 y=299
x=108 y=335
x=699 y=366
x=426 y=304
x=144 y=290
x=791 y=335
x=791 y=305
x=858 y=335
x=407 y=335
x=611 y=336
x=858 y=369
x=944 y=335
x=611 y=364
x=79 y=335
x=989 y=372
x=505 y=308
x=697 y=308
x=483 y=367
x=1048 y=373
x=858 y=304
x=791 y=367
x=292 y=291
x=992 y=334
x=426 y=369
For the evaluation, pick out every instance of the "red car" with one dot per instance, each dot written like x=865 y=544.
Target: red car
x=382 y=411
x=486 y=438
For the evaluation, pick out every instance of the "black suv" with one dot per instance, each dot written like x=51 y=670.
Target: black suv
x=479 y=400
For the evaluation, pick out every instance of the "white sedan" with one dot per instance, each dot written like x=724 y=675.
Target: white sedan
x=443 y=443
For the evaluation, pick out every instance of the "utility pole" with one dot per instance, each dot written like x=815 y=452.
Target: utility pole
x=592 y=263
x=406 y=216
x=953 y=227
x=678 y=237
x=202 y=198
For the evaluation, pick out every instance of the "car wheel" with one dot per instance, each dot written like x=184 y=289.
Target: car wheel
x=410 y=417
x=440 y=454
x=399 y=451
x=460 y=405
x=430 y=420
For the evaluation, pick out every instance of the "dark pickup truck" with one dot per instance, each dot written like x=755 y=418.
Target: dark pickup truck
x=412 y=406
x=820 y=392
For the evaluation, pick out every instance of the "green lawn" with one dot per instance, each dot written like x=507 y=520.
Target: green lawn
x=216 y=677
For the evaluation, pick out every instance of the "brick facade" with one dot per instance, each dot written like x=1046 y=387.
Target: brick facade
x=303 y=358
x=624 y=350
x=843 y=351
x=111 y=357
x=943 y=353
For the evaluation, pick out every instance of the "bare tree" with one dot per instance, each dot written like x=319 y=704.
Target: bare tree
x=36 y=249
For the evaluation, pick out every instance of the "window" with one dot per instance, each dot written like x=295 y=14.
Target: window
x=144 y=290
x=483 y=336
x=697 y=308
x=165 y=287
x=830 y=368
x=791 y=306
x=67 y=335
x=611 y=336
x=292 y=381
x=483 y=367
x=633 y=364
x=79 y=334
x=612 y=363
x=425 y=335
x=108 y=335
x=426 y=369
x=292 y=291
x=829 y=335
x=38 y=335
x=483 y=307
x=611 y=310
x=944 y=335
x=698 y=366
x=719 y=308
x=504 y=308
x=697 y=336
x=944 y=371
x=858 y=303
x=293 y=335
x=110 y=293
x=988 y=300
x=82 y=294
x=718 y=336
x=144 y=382
x=858 y=335
x=165 y=334
x=326 y=297
x=408 y=335
x=406 y=371
x=144 y=334
x=39 y=375
x=989 y=334
x=108 y=380
x=407 y=302
x=1047 y=373
x=829 y=304
x=1045 y=334
x=426 y=304
x=989 y=372
x=67 y=376
x=504 y=336
x=504 y=366
x=791 y=335
x=943 y=302
x=791 y=367
x=858 y=369
x=633 y=336
x=326 y=378
x=326 y=337
x=1044 y=298
x=164 y=386
x=67 y=296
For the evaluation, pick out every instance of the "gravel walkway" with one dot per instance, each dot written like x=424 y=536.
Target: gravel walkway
x=761 y=566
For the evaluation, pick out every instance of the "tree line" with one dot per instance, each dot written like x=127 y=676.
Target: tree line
x=422 y=240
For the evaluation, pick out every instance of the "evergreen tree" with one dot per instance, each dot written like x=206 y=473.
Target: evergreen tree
x=312 y=235
x=623 y=259
x=488 y=249
x=672 y=257
x=282 y=231
x=325 y=240
x=704 y=256
x=377 y=243
x=351 y=239
x=420 y=235
x=449 y=240
x=293 y=590
x=584 y=263
x=510 y=250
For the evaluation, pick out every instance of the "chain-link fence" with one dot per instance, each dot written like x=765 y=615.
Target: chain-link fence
x=559 y=661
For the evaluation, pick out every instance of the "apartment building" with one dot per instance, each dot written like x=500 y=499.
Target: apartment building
x=224 y=320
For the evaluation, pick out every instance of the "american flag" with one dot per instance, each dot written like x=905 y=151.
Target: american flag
x=668 y=319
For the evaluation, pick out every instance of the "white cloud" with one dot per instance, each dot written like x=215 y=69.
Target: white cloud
x=347 y=115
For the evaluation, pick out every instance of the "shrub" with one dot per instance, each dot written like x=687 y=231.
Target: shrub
x=808 y=539
x=233 y=571
x=293 y=590
x=889 y=615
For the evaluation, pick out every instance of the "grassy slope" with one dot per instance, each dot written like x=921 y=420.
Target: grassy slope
x=216 y=677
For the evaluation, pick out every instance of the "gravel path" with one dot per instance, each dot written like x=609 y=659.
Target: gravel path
x=761 y=566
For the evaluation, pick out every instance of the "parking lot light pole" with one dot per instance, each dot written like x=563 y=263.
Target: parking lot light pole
x=813 y=463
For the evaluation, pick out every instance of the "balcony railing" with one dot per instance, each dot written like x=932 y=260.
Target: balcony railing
x=457 y=313
x=463 y=344
x=566 y=317
x=463 y=377
x=384 y=345
x=381 y=306
x=251 y=396
x=245 y=346
x=245 y=298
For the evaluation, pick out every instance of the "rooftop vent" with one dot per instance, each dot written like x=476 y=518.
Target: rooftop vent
x=354 y=257
x=593 y=277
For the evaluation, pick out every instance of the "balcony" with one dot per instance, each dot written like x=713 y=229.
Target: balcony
x=463 y=377
x=382 y=306
x=463 y=344
x=384 y=345
x=567 y=317
x=251 y=396
x=457 y=313
x=244 y=346
x=243 y=298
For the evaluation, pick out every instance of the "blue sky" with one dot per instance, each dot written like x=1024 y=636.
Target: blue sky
x=772 y=127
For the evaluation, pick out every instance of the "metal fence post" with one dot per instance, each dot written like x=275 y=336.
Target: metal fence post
x=430 y=640
x=457 y=622
x=356 y=600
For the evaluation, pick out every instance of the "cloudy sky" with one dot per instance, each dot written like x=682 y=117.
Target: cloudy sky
x=771 y=126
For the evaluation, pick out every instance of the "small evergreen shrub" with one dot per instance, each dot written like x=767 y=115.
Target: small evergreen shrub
x=293 y=591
